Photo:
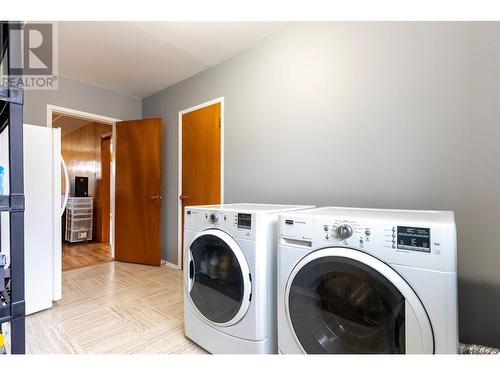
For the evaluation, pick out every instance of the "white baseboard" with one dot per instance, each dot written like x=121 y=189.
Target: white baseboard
x=171 y=265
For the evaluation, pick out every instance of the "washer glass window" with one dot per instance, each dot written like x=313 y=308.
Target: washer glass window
x=340 y=305
x=218 y=286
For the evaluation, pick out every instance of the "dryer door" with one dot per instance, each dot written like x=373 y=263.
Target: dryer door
x=342 y=300
x=219 y=280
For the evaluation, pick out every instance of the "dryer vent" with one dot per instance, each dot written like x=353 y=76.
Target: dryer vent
x=477 y=349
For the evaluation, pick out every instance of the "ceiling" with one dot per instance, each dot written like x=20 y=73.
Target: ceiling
x=142 y=58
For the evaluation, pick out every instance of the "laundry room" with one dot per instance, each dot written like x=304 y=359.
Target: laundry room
x=250 y=187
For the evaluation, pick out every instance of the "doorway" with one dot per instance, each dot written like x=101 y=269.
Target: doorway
x=86 y=147
x=201 y=161
x=136 y=146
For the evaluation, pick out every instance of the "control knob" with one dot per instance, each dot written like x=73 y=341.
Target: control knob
x=213 y=218
x=344 y=231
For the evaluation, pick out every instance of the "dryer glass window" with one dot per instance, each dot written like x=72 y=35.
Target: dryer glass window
x=218 y=285
x=339 y=305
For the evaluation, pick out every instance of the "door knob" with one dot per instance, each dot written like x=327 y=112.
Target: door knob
x=153 y=197
x=182 y=197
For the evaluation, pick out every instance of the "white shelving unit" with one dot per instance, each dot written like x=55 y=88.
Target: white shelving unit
x=79 y=216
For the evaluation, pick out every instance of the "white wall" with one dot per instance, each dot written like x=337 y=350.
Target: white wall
x=395 y=115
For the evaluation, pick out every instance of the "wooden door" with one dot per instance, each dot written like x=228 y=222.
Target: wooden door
x=138 y=191
x=105 y=188
x=201 y=158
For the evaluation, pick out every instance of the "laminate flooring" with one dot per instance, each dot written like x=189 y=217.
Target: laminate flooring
x=114 y=307
x=84 y=254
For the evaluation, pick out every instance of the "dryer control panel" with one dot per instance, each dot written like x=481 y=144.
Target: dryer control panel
x=237 y=224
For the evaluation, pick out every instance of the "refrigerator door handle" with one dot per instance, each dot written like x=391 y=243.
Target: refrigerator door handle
x=66 y=185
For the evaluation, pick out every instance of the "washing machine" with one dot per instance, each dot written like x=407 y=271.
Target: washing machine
x=361 y=281
x=230 y=276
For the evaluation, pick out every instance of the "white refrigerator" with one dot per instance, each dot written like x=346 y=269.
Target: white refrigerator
x=42 y=220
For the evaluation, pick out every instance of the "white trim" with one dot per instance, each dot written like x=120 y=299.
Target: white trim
x=179 y=171
x=168 y=264
x=245 y=274
x=412 y=300
x=111 y=189
x=56 y=216
x=76 y=113
x=106 y=135
x=97 y=118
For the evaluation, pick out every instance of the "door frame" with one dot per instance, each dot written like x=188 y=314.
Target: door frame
x=57 y=235
x=179 y=170
x=111 y=194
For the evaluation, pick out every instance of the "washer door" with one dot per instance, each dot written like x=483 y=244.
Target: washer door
x=219 y=281
x=342 y=300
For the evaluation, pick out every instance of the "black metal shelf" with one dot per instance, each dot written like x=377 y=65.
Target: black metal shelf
x=11 y=94
x=4 y=203
x=11 y=203
x=5 y=314
x=11 y=311
x=11 y=119
x=5 y=310
x=4 y=115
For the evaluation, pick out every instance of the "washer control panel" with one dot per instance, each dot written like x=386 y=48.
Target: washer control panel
x=346 y=232
x=389 y=238
x=402 y=242
x=413 y=238
x=397 y=237
x=213 y=218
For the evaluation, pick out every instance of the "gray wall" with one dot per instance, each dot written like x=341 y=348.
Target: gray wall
x=393 y=115
x=80 y=96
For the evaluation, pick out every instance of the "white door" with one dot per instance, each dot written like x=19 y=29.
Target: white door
x=218 y=279
x=340 y=300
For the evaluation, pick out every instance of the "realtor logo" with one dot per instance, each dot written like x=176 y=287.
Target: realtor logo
x=37 y=66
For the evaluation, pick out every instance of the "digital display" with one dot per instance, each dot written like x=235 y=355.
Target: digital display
x=416 y=239
x=245 y=221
